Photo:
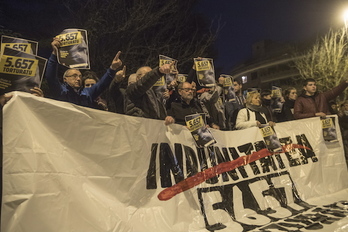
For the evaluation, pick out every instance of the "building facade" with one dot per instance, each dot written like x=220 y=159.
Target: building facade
x=271 y=65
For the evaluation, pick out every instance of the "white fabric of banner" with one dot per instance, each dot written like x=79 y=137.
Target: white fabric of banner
x=71 y=168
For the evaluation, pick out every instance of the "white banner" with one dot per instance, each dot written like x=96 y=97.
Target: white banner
x=70 y=168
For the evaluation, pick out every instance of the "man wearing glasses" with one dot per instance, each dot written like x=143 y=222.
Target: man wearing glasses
x=71 y=90
x=186 y=106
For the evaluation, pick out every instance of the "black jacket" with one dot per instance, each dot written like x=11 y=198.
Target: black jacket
x=287 y=111
x=142 y=101
x=180 y=109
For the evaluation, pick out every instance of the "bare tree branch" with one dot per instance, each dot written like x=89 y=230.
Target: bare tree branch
x=142 y=30
x=326 y=61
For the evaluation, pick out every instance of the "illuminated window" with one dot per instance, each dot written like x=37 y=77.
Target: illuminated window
x=244 y=79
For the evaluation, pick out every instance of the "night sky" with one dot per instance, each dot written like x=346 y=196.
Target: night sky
x=245 y=22
x=248 y=21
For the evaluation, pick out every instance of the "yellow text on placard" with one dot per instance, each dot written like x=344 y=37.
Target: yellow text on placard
x=276 y=93
x=267 y=131
x=160 y=82
x=163 y=62
x=195 y=124
x=23 y=47
x=202 y=65
x=227 y=82
x=327 y=123
x=71 y=38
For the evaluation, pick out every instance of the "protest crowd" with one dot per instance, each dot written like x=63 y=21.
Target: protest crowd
x=224 y=102
x=164 y=93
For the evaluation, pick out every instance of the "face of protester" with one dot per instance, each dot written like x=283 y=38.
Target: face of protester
x=89 y=83
x=193 y=84
x=221 y=80
x=345 y=107
x=236 y=87
x=310 y=88
x=73 y=78
x=255 y=100
x=267 y=97
x=334 y=107
x=186 y=92
x=132 y=79
x=142 y=71
x=293 y=94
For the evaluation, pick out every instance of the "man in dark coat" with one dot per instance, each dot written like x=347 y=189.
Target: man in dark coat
x=186 y=105
x=141 y=100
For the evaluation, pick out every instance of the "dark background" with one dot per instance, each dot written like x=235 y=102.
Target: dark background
x=248 y=21
x=239 y=23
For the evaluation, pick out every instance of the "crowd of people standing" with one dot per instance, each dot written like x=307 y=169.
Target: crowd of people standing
x=136 y=95
x=179 y=99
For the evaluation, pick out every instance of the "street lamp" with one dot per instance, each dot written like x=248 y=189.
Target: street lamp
x=345 y=17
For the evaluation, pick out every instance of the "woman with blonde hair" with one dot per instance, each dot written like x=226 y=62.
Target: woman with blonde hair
x=254 y=113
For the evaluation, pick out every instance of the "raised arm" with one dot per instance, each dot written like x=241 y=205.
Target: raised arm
x=107 y=78
x=139 y=88
x=335 y=91
x=51 y=73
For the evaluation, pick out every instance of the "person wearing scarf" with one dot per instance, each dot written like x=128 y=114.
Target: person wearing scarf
x=254 y=113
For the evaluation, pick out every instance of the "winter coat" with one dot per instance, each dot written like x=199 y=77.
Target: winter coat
x=180 y=109
x=142 y=101
x=213 y=103
x=246 y=118
x=307 y=106
x=287 y=113
x=64 y=92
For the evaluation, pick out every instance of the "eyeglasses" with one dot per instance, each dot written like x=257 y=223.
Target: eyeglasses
x=188 y=89
x=75 y=76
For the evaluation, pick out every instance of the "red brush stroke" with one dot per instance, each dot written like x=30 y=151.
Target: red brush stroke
x=200 y=177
